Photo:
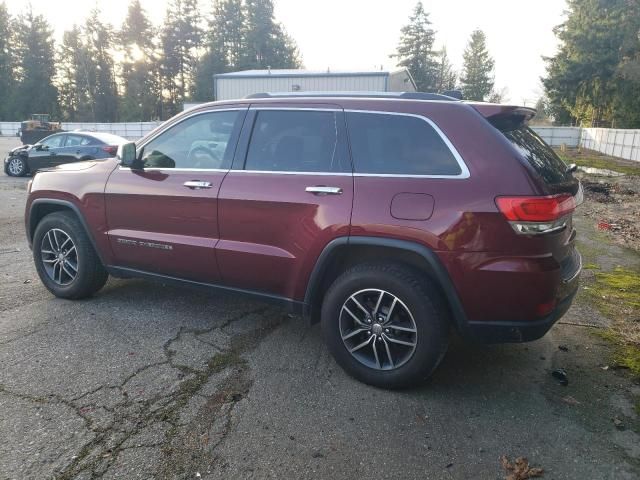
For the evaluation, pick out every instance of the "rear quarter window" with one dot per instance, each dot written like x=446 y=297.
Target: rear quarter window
x=384 y=143
x=539 y=155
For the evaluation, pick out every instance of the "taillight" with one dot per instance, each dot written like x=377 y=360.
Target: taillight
x=110 y=149
x=536 y=215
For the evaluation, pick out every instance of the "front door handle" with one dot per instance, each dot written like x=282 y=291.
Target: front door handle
x=322 y=190
x=197 y=184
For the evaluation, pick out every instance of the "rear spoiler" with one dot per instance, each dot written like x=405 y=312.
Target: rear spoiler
x=505 y=117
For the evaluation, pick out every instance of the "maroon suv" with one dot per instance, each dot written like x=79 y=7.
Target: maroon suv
x=392 y=219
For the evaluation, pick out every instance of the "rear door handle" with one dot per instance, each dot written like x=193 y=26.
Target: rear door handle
x=322 y=190
x=197 y=184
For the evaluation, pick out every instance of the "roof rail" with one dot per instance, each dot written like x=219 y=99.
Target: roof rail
x=399 y=95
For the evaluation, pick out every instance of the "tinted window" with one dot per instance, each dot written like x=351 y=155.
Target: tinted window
x=75 y=140
x=398 y=144
x=202 y=141
x=54 y=141
x=539 y=155
x=295 y=141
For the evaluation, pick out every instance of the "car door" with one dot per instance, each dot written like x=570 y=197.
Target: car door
x=76 y=148
x=288 y=195
x=46 y=153
x=162 y=218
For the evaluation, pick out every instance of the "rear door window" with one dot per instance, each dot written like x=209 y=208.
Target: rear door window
x=296 y=141
x=539 y=155
x=395 y=144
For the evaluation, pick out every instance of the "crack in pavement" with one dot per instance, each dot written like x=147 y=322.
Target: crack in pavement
x=131 y=416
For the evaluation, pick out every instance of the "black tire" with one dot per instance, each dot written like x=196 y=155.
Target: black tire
x=90 y=276
x=425 y=306
x=17 y=167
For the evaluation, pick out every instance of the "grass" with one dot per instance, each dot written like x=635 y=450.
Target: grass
x=617 y=295
x=589 y=159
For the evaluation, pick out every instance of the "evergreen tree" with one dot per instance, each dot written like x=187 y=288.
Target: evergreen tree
x=477 y=73
x=141 y=93
x=6 y=64
x=99 y=43
x=225 y=45
x=446 y=76
x=415 y=51
x=267 y=43
x=35 y=68
x=587 y=81
x=69 y=79
x=181 y=38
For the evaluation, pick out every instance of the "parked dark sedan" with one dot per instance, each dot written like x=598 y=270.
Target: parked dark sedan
x=61 y=148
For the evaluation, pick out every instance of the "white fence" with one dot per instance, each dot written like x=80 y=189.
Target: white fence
x=613 y=141
x=130 y=131
x=557 y=136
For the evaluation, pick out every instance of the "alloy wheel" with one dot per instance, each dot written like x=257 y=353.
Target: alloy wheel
x=59 y=256
x=378 y=329
x=16 y=165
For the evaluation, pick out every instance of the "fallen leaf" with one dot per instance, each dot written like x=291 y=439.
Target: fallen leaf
x=519 y=469
x=569 y=400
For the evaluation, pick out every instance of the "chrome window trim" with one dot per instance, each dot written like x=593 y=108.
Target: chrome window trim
x=157 y=169
x=292 y=108
x=283 y=172
x=464 y=170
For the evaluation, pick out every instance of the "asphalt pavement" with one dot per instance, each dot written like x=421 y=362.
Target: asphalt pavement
x=149 y=381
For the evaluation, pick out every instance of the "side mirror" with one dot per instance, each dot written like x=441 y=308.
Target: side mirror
x=127 y=155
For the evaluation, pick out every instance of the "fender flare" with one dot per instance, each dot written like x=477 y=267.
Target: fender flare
x=439 y=273
x=31 y=225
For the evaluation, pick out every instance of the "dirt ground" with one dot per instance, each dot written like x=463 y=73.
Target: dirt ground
x=612 y=191
x=145 y=381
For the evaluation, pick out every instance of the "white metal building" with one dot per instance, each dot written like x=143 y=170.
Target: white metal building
x=234 y=85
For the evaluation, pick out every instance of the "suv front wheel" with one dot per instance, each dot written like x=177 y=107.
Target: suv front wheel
x=385 y=324
x=65 y=258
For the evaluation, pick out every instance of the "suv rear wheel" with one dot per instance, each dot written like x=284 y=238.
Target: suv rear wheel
x=385 y=324
x=65 y=259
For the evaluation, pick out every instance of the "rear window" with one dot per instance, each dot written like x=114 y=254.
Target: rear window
x=398 y=144
x=539 y=155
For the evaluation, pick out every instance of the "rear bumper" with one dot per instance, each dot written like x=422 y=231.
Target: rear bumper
x=527 y=331
x=516 y=332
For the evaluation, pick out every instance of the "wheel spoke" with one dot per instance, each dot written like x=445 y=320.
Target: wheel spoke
x=51 y=244
x=361 y=345
x=354 y=333
x=71 y=275
x=402 y=329
x=399 y=342
x=386 y=347
x=52 y=260
x=390 y=312
x=55 y=239
x=375 y=354
x=70 y=264
x=375 y=310
x=366 y=312
x=65 y=242
x=358 y=321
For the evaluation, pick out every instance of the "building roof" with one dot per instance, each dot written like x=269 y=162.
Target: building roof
x=282 y=73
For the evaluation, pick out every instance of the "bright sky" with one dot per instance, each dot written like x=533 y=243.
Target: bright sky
x=360 y=34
